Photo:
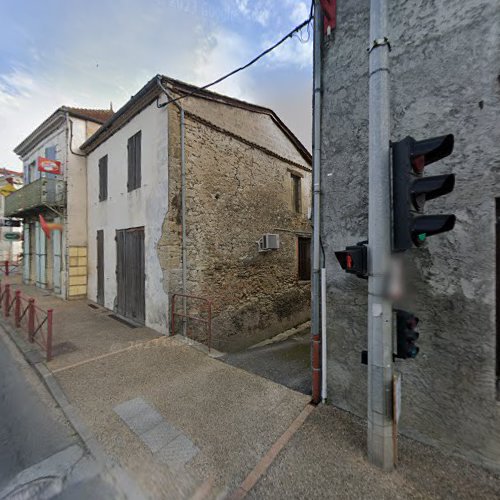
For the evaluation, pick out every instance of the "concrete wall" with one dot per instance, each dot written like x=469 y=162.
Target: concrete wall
x=236 y=193
x=146 y=206
x=76 y=185
x=445 y=63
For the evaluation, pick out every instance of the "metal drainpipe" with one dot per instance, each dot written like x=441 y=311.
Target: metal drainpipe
x=183 y=202
x=65 y=242
x=315 y=285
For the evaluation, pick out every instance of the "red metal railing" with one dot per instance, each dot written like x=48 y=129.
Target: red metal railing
x=207 y=321
x=29 y=317
x=8 y=267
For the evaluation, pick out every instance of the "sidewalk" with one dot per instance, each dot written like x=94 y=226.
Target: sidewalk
x=186 y=425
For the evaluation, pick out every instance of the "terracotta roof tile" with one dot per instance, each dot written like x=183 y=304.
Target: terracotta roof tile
x=97 y=115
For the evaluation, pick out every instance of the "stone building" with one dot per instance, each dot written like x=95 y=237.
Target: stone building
x=444 y=78
x=58 y=263
x=246 y=176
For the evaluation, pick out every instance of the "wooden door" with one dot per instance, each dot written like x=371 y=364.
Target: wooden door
x=130 y=276
x=100 y=267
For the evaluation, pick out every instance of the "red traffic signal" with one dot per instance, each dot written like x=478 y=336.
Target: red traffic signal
x=354 y=260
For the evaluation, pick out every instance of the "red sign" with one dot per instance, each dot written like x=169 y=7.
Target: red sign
x=49 y=166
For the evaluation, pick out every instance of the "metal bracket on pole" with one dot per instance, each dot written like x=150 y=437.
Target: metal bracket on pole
x=379 y=42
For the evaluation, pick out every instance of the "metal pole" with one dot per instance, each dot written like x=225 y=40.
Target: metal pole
x=49 y=334
x=17 y=310
x=315 y=283
x=183 y=215
x=380 y=362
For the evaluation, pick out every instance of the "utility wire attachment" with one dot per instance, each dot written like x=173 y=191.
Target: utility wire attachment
x=378 y=42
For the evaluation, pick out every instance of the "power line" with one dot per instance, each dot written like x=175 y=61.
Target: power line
x=248 y=64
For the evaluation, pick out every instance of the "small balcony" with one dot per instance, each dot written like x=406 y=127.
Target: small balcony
x=34 y=196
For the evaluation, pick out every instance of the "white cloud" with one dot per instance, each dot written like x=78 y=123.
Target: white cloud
x=299 y=12
x=102 y=61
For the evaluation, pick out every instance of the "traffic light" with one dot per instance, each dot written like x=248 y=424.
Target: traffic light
x=354 y=260
x=410 y=190
x=407 y=335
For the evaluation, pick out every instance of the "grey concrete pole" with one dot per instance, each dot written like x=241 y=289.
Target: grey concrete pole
x=315 y=283
x=380 y=362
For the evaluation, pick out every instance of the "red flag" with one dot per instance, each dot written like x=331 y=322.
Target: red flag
x=47 y=227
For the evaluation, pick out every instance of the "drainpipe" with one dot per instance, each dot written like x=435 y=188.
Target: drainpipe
x=183 y=199
x=324 y=393
x=315 y=284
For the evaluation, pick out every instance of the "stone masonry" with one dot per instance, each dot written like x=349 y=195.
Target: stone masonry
x=237 y=190
x=445 y=65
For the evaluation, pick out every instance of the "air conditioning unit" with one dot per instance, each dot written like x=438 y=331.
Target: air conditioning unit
x=269 y=242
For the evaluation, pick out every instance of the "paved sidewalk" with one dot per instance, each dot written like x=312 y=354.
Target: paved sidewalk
x=186 y=425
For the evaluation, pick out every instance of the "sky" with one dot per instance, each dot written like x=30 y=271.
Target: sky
x=90 y=53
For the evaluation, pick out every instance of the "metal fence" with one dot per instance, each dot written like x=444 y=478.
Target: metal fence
x=201 y=315
x=27 y=316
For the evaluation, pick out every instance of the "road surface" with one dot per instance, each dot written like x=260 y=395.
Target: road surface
x=40 y=454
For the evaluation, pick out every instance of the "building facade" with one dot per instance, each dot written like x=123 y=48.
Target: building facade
x=244 y=175
x=11 y=232
x=58 y=263
x=444 y=78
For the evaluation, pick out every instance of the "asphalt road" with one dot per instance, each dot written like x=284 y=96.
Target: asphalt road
x=286 y=362
x=40 y=454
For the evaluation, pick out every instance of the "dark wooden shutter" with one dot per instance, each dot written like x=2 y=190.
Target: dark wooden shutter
x=103 y=178
x=304 y=250
x=134 y=162
x=296 y=193
x=100 y=267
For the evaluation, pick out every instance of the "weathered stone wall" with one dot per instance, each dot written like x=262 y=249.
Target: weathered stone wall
x=235 y=193
x=444 y=63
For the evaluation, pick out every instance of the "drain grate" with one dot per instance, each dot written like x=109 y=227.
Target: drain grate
x=122 y=320
x=93 y=306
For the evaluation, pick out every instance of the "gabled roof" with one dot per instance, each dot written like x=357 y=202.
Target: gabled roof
x=152 y=90
x=94 y=115
x=54 y=120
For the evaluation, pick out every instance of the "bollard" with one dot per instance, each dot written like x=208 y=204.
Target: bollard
x=31 y=319
x=17 y=310
x=6 y=301
x=6 y=268
x=49 y=334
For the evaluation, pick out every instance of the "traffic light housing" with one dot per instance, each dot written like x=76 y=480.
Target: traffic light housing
x=354 y=260
x=407 y=334
x=411 y=190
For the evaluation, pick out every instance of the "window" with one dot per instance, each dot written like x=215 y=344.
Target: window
x=134 y=162
x=296 y=193
x=304 y=254
x=103 y=178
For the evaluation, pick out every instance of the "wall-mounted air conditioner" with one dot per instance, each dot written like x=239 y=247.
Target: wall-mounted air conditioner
x=268 y=242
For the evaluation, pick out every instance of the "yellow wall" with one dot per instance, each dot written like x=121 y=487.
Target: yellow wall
x=77 y=272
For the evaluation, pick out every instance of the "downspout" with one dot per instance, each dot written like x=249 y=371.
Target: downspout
x=183 y=199
x=315 y=284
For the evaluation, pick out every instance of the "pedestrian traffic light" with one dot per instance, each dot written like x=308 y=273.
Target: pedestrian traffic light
x=407 y=335
x=354 y=260
x=410 y=190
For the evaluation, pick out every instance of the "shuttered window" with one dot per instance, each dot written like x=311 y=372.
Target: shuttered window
x=134 y=162
x=296 y=193
x=103 y=178
x=304 y=255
